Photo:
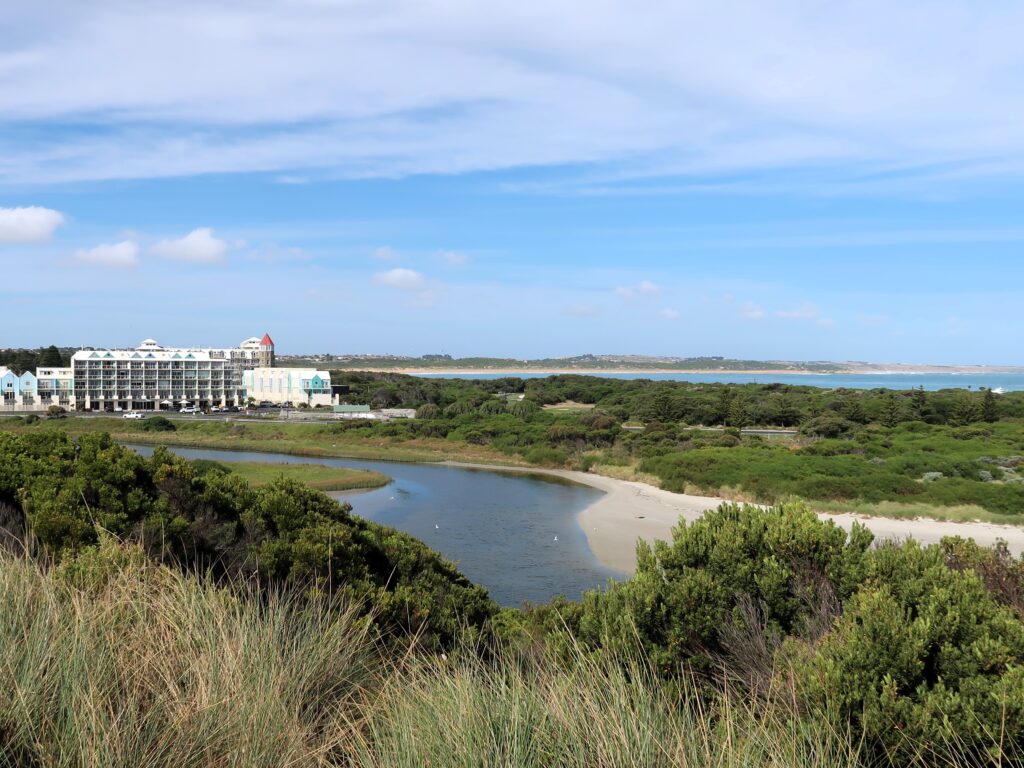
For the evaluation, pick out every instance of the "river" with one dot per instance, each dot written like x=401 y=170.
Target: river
x=515 y=534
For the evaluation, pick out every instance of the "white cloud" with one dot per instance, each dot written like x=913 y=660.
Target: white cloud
x=681 y=89
x=400 y=278
x=643 y=288
x=668 y=314
x=199 y=246
x=454 y=258
x=123 y=255
x=31 y=224
x=384 y=253
x=751 y=311
x=803 y=312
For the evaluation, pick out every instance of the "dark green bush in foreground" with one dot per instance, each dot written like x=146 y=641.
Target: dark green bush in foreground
x=909 y=644
x=283 y=533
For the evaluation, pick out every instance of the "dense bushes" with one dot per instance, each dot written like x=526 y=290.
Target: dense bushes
x=922 y=659
x=910 y=645
x=282 y=533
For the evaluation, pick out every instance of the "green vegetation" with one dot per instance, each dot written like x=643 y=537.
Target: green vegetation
x=317 y=476
x=21 y=360
x=62 y=497
x=153 y=610
x=950 y=454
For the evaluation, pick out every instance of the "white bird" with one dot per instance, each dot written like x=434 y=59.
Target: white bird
x=556 y=538
x=436 y=526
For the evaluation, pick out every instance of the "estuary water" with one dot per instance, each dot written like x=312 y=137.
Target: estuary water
x=513 y=533
x=1010 y=382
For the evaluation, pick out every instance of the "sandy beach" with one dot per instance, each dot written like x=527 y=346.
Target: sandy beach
x=630 y=510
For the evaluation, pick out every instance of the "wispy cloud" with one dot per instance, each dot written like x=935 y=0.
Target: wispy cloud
x=31 y=224
x=692 y=90
x=454 y=258
x=806 y=313
x=384 y=253
x=123 y=255
x=668 y=314
x=752 y=311
x=400 y=278
x=643 y=288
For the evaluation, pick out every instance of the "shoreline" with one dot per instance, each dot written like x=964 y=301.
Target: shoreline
x=894 y=370
x=630 y=510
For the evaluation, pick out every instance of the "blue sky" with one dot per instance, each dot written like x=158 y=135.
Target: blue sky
x=752 y=180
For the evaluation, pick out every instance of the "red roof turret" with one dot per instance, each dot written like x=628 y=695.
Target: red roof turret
x=267 y=341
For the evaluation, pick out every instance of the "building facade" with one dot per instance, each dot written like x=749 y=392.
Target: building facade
x=288 y=385
x=151 y=377
x=17 y=391
x=55 y=386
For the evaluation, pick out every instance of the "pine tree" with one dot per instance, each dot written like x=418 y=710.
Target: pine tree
x=989 y=407
x=892 y=412
x=739 y=413
x=918 y=403
x=965 y=411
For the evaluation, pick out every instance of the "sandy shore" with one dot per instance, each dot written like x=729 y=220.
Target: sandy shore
x=629 y=511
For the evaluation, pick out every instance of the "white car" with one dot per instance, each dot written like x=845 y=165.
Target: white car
x=132 y=415
x=190 y=409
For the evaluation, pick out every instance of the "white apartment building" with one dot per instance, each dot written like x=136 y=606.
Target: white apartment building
x=288 y=385
x=55 y=386
x=151 y=377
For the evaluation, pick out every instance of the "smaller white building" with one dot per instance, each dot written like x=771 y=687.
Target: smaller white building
x=56 y=386
x=288 y=385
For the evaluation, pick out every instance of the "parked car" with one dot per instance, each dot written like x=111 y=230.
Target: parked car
x=215 y=409
x=190 y=409
x=132 y=415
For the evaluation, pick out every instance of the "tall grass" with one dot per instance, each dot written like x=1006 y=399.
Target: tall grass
x=589 y=712
x=142 y=666
x=109 y=660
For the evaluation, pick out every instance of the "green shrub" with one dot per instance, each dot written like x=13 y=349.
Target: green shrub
x=831 y=426
x=157 y=424
x=546 y=457
x=717 y=574
x=923 y=660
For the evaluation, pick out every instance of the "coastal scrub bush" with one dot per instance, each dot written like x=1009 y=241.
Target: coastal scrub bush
x=157 y=424
x=831 y=425
x=923 y=660
x=546 y=457
x=739 y=569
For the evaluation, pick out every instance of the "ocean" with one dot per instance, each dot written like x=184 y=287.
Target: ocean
x=1009 y=382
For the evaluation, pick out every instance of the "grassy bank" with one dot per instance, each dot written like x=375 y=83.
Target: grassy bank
x=316 y=476
x=296 y=439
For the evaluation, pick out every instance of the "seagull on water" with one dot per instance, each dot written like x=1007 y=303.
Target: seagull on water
x=556 y=538
x=436 y=526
